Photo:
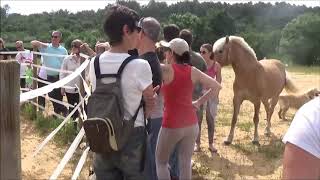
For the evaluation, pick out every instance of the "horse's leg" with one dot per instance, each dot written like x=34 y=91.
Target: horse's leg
x=273 y=104
x=267 y=108
x=237 y=101
x=284 y=111
x=279 y=113
x=256 y=122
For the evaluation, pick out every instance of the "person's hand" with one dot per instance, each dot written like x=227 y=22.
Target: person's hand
x=104 y=45
x=196 y=104
x=84 y=47
x=63 y=91
x=150 y=101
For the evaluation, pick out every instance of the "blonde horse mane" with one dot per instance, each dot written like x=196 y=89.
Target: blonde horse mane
x=218 y=45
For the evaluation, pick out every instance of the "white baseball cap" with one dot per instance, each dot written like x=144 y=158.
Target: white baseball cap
x=177 y=45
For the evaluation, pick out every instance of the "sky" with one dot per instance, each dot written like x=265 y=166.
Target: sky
x=26 y=7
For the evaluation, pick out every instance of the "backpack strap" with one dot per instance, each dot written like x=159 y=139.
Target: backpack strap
x=98 y=71
x=134 y=117
x=118 y=75
x=124 y=63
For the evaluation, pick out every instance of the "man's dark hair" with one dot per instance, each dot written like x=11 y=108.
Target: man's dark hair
x=117 y=17
x=170 y=32
x=186 y=34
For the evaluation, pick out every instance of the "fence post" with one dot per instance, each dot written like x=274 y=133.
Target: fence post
x=10 y=147
x=82 y=92
x=34 y=82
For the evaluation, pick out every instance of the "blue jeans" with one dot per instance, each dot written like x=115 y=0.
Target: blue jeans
x=153 y=129
x=126 y=164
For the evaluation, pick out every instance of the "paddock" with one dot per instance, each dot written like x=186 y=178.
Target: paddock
x=241 y=160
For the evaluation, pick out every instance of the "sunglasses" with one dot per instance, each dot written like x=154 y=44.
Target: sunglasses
x=139 y=25
x=203 y=52
x=74 y=46
x=138 y=29
x=55 y=37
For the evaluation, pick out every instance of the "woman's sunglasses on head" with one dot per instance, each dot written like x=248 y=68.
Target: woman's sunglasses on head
x=203 y=52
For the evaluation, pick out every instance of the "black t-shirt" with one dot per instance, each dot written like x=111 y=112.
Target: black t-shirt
x=154 y=63
x=5 y=56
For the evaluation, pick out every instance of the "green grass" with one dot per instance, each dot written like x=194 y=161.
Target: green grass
x=270 y=151
x=304 y=69
x=274 y=150
x=245 y=126
x=45 y=125
x=224 y=115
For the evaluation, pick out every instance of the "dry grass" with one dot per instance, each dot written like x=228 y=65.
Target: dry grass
x=243 y=160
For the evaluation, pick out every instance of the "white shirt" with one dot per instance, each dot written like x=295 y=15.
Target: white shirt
x=136 y=77
x=24 y=57
x=304 y=130
x=69 y=65
x=42 y=72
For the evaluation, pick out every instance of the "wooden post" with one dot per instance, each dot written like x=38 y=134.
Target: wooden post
x=82 y=91
x=34 y=82
x=10 y=148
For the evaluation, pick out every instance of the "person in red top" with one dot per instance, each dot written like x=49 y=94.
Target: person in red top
x=180 y=123
x=214 y=71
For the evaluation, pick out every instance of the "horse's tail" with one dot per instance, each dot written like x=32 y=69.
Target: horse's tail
x=289 y=86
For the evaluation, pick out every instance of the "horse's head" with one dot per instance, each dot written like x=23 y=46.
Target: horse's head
x=313 y=93
x=229 y=49
x=221 y=50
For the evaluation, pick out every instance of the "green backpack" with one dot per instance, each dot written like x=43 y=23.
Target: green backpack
x=106 y=129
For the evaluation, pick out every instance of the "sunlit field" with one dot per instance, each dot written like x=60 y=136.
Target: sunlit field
x=241 y=160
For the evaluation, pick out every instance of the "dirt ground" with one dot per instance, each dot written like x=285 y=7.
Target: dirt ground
x=241 y=160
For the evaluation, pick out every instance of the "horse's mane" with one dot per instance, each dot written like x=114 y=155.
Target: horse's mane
x=218 y=45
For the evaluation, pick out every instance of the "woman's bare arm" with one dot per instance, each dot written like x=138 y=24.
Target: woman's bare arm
x=212 y=85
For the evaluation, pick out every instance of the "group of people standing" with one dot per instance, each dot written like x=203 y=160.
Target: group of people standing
x=177 y=85
x=171 y=111
x=187 y=81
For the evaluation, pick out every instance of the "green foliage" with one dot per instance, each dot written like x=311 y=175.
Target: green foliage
x=287 y=32
x=45 y=125
x=300 y=39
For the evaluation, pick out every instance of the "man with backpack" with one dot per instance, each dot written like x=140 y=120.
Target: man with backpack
x=127 y=79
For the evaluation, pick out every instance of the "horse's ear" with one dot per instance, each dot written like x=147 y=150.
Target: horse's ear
x=227 y=39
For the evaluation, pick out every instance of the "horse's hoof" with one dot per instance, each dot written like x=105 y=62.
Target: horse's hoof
x=227 y=143
x=267 y=134
x=256 y=143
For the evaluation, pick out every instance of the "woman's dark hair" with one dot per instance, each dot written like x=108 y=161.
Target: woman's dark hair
x=208 y=47
x=184 y=59
x=117 y=17
x=170 y=32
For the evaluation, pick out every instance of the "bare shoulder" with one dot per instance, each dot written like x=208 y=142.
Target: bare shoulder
x=165 y=67
x=218 y=65
x=195 y=70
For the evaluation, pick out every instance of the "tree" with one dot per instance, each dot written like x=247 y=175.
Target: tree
x=188 y=21
x=300 y=39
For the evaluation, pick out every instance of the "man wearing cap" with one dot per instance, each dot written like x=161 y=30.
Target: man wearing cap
x=53 y=62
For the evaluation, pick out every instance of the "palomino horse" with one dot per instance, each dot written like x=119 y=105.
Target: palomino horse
x=256 y=81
